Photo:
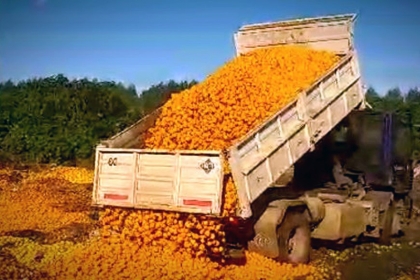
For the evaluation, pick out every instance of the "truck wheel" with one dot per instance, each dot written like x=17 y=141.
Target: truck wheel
x=294 y=238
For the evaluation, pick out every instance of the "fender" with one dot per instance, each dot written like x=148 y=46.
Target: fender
x=265 y=240
x=316 y=208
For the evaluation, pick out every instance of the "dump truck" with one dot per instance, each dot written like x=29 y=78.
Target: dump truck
x=275 y=217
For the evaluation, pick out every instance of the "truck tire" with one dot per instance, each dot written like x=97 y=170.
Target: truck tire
x=294 y=238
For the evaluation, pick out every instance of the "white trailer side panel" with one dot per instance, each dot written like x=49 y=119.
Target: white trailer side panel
x=187 y=181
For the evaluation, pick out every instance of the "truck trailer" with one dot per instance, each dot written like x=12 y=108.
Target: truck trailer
x=276 y=216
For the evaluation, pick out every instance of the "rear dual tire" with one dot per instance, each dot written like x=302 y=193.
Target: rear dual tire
x=294 y=238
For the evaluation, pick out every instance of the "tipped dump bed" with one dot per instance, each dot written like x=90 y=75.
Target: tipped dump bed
x=268 y=151
x=191 y=181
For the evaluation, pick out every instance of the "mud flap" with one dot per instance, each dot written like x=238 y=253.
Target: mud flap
x=235 y=255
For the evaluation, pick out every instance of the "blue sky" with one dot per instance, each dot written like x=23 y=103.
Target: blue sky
x=145 y=42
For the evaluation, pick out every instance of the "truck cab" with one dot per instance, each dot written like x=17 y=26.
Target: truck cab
x=380 y=147
x=371 y=151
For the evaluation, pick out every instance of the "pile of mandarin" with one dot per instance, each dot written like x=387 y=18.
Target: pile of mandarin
x=233 y=100
x=218 y=111
x=145 y=244
x=211 y=116
x=44 y=201
x=199 y=235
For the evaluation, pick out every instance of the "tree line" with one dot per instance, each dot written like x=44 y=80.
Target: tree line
x=405 y=105
x=58 y=120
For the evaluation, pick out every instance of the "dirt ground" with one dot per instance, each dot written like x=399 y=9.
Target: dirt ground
x=402 y=261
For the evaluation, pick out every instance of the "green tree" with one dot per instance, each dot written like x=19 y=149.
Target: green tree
x=405 y=105
x=157 y=95
x=55 y=119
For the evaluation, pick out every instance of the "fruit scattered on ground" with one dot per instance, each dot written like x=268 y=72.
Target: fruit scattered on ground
x=45 y=201
x=101 y=259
